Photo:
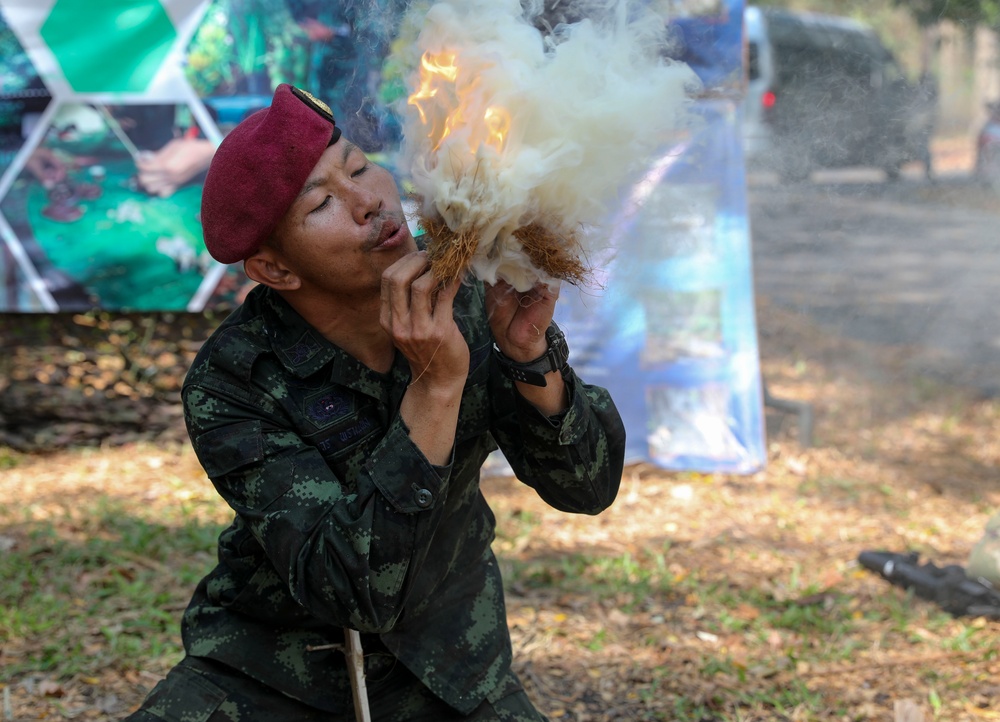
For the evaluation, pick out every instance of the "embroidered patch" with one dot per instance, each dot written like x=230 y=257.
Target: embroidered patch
x=303 y=350
x=355 y=432
x=340 y=437
x=328 y=407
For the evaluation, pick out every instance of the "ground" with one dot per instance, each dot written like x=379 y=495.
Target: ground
x=701 y=597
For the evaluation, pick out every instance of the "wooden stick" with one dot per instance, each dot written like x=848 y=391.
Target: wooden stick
x=356 y=669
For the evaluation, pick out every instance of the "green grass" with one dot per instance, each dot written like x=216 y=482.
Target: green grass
x=100 y=587
x=818 y=629
x=635 y=577
x=8 y=459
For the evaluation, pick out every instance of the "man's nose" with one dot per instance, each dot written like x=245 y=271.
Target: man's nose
x=366 y=204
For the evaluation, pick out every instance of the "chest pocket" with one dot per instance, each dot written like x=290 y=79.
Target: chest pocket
x=341 y=425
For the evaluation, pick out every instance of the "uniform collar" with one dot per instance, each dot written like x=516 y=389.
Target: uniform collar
x=304 y=351
x=299 y=346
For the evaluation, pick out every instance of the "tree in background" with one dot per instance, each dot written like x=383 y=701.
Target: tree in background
x=925 y=12
x=964 y=12
x=897 y=28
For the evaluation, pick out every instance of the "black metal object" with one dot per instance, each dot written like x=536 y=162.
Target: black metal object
x=947 y=586
x=802 y=409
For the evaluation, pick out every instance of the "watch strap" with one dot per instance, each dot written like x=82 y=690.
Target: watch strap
x=533 y=372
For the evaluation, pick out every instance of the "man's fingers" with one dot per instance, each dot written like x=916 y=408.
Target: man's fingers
x=446 y=298
x=519 y=319
x=433 y=301
x=422 y=292
x=398 y=278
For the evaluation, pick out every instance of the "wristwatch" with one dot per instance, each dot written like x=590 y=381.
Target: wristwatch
x=533 y=372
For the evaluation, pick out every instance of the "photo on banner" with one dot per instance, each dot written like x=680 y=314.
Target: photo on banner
x=99 y=235
x=23 y=98
x=100 y=196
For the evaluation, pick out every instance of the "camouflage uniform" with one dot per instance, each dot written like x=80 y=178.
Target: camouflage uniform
x=200 y=690
x=342 y=522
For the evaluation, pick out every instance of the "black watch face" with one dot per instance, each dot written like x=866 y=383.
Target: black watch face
x=558 y=347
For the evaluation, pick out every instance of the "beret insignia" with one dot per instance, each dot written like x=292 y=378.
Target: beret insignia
x=313 y=102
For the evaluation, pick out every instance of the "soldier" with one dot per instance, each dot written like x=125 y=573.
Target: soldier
x=344 y=412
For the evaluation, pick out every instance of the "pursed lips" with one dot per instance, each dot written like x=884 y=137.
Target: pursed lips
x=386 y=230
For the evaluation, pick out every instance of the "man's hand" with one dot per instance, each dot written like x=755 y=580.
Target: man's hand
x=46 y=166
x=519 y=321
x=163 y=172
x=417 y=314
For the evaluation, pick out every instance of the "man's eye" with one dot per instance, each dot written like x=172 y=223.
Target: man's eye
x=321 y=206
x=360 y=170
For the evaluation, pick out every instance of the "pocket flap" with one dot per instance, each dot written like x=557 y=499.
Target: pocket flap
x=226 y=449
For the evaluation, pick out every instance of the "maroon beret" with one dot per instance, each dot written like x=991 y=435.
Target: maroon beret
x=259 y=169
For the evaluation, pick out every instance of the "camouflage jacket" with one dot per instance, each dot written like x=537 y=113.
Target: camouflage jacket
x=342 y=522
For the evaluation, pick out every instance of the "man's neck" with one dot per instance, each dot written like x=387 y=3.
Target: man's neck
x=355 y=328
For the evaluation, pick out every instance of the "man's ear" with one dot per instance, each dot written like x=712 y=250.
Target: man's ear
x=266 y=267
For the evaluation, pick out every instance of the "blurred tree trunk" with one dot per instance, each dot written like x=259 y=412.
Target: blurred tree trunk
x=953 y=66
x=986 y=65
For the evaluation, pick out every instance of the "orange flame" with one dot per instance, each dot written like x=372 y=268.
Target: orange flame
x=497 y=126
x=432 y=67
x=436 y=71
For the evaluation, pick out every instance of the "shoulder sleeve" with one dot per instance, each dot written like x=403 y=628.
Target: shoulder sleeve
x=574 y=460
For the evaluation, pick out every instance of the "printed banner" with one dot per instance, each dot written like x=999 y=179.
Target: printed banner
x=110 y=114
x=671 y=330
x=673 y=333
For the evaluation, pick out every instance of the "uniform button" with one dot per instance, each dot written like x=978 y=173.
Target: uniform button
x=424 y=498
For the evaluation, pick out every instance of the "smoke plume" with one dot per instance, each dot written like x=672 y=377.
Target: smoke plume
x=520 y=129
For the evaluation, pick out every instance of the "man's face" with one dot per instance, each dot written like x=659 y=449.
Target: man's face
x=346 y=226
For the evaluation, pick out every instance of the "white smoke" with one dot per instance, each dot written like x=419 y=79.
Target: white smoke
x=586 y=101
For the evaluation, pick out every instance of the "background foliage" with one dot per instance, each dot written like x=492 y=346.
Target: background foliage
x=925 y=12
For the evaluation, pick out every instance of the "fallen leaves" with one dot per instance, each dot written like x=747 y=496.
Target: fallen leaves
x=91 y=379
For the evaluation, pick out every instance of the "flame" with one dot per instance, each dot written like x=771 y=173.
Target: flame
x=445 y=66
x=437 y=71
x=432 y=67
x=497 y=125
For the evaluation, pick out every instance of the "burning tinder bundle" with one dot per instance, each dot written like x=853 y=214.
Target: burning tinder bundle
x=517 y=140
